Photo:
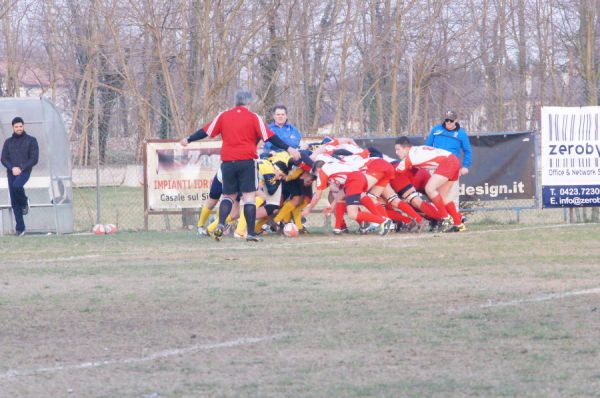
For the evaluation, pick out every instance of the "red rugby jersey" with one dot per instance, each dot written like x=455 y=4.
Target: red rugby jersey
x=240 y=130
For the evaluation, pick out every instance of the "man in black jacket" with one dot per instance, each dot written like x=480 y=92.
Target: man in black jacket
x=19 y=154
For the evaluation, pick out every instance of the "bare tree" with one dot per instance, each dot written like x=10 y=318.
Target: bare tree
x=158 y=69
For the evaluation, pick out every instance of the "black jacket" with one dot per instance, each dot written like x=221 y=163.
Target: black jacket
x=20 y=151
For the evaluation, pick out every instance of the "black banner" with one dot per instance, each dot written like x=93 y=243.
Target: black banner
x=503 y=165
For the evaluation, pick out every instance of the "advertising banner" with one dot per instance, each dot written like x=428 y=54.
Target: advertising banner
x=503 y=165
x=570 y=141
x=179 y=177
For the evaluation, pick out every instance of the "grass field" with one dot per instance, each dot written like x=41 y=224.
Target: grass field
x=124 y=206
x=503 y=310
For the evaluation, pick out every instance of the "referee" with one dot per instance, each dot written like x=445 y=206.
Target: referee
x=240 y=130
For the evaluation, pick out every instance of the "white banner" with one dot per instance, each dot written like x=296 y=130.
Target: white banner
x=570 y=140
x=180 y=177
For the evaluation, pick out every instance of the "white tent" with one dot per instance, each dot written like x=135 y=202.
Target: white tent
x=50 y=187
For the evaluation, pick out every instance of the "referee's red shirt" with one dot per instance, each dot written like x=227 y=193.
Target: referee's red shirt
x=240 y=130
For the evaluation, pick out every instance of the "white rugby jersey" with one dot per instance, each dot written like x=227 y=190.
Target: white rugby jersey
x=334 y=145
x=423 y=157
x=334 y=173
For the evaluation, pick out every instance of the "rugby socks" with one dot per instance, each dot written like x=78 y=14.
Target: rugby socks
x=429 y=210
x=379 y=204
x=240 y=229
x=242 y=223
x=259 y=224
x=367 y=202
x=297 y=215
x=456 y=216
x=204 y=214
x=285 y=213
x=250 y=215
x=382 y=210
x=394 y=215
x=410 y=211
x=439 y=204
x=224 y=210
x=365 y=216
x=211 y=227
x=339 y=210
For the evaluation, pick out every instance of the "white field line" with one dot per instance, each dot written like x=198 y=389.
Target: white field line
x=535 y=299
x=57 y=259
x=152 y=357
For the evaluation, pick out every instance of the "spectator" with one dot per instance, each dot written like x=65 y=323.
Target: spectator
x=284 y=130
x=450 y=136
x=19 y=154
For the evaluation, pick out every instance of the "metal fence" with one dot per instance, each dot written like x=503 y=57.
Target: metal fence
x=124 y=206
x=114 y=194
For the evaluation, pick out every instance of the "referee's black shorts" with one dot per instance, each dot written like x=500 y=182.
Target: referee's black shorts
x=239 y=176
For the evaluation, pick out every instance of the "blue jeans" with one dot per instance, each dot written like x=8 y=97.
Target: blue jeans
x=18 y=199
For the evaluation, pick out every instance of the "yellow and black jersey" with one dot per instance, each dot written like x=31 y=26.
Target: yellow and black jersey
x=267 y=176
x=294 y=174
x=284 y=162
x=280 y=157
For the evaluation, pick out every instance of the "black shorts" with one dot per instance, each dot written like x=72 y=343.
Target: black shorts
x=216 y=189
x=292 y=188
x=307 y=190
x=239 y=176
x=353 y=200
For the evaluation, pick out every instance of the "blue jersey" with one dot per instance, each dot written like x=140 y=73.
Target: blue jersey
x=455 y=141
x=288 y=134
